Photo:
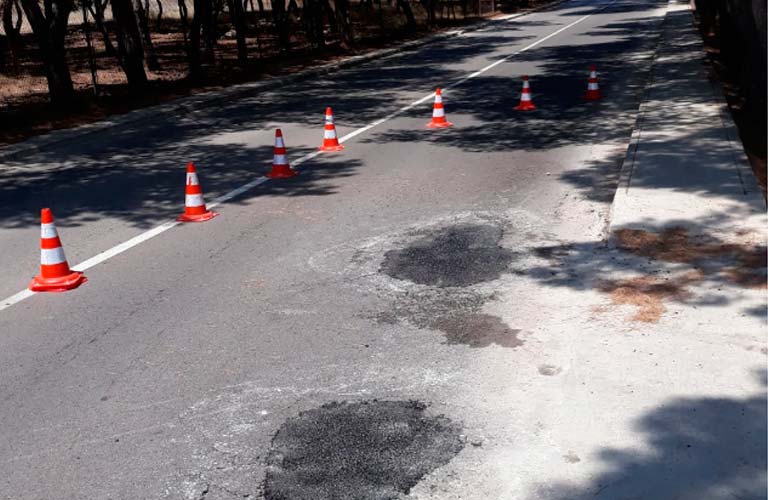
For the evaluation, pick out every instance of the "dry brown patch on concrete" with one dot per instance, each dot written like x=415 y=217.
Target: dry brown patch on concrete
x=672 y=245
x=648 y=294
x=741 y=264
x=746 y=278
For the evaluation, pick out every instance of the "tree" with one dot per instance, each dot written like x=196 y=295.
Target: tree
x=131 y=53
x=202 y=24
x=12 y=33
x=97 y=8
x=49 y=29
x=410 y=20
x=313 y=22
x=143 y=22
x=280 y=19
x=345 y=25
x=237 y=15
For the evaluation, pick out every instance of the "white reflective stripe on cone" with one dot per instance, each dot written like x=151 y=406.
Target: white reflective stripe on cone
x=329 y=134
x=279 y=160
x=593 y=74
x=48 y=231
x=525 y=97
x=438 y=98
x=192 y=179
x=438 y=112
x=328 y=118
x=194 y=200
x=592 y=86
x=51 y=256
x=279 y=143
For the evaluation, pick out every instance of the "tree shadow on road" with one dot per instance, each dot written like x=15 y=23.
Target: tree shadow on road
x=147 y=187
x=134 y=172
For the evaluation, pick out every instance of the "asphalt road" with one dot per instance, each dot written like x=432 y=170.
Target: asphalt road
x=394 y=271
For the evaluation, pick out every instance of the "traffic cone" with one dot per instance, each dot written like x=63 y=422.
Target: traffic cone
x=438 y=113
x=194 y=205
x=330 y=140
x=280 y=167
x=55 y=274
x=526 y=104
x=593 y=89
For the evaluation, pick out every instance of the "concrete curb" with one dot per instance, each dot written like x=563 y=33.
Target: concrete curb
x=36 y=144
x=628 y=165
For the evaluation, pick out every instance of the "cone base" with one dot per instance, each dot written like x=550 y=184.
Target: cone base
x=282 y=172
x=525 y=107
x=593 y=96
x=444 y=124
x=61 y=284
x=329 y=149
x=197 y=218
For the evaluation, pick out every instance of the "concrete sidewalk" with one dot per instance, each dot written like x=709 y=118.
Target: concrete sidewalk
x=685 y=166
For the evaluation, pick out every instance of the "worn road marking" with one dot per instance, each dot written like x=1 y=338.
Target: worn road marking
x=136 y=240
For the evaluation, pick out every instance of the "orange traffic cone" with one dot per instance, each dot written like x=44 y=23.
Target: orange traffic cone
x=194 y=205
x=55 y=274
x=438 y=113
x=330 y=140
x=280 y=167
x=526 y=104
x=593 y=89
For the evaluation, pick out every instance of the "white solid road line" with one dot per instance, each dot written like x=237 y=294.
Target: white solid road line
x=136 y=240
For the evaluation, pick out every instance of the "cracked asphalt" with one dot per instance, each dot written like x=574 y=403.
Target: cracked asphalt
x=388 y=324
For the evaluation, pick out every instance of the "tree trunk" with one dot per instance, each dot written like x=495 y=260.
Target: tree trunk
x=142 y=19
x=98 y=19
x=50 y=30
x=237 y=16
x=12 y=32
x=345 y=26
x=159 y=21
x=89 y=46
x=280 y=18
x=193 y=47
x=313 y=21
x=410 y=20
x=129 y=43
x=431 y=12
x=331 y=15
x=293 y=8
x=204 y=17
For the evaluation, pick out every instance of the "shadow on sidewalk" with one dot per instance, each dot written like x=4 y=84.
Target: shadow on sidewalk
x=683 y=262
x=695 y=448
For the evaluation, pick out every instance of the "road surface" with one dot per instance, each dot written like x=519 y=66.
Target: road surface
x=412 y=267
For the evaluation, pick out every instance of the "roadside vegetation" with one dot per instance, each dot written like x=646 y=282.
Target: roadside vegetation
x=734 y=33
x=65 y=62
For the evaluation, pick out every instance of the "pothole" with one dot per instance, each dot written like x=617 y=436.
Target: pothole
x=375 y=450
x=456 y=256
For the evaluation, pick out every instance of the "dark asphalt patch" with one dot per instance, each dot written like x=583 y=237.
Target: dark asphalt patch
x=457 y=312
x=372 y=450
x=456 y=256
x=477 y=330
